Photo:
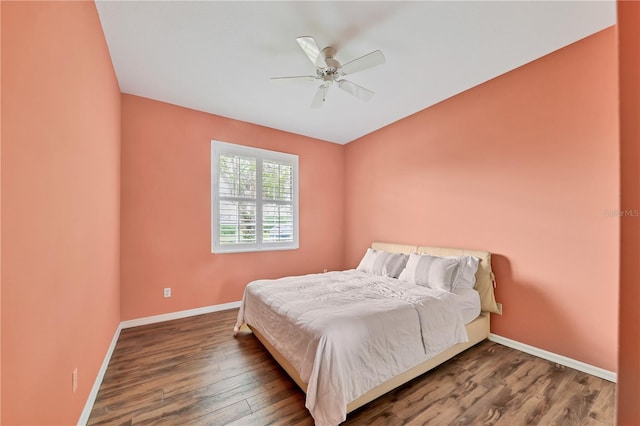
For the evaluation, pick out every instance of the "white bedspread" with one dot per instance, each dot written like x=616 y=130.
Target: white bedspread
x=347 y=332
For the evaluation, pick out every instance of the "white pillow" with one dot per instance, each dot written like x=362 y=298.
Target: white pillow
x=383 y=263
x=466 y=277
x=431 y=271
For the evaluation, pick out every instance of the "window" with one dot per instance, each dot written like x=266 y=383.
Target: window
x=254 y=199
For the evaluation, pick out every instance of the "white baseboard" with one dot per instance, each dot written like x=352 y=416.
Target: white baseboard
x=177 y=315
x=558 y=359
x=88 y=406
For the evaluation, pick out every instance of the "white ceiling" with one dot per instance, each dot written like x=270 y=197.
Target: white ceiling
x=218 y=57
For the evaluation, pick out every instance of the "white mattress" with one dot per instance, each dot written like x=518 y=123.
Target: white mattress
x=347 y=332
x=468 y=301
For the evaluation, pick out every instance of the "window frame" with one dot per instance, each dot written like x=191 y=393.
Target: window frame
x=219 y=148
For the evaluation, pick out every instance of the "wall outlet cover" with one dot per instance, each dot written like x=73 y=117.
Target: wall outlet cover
x=74 y=381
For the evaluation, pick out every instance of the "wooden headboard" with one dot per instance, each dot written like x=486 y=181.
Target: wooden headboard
x=485 y=279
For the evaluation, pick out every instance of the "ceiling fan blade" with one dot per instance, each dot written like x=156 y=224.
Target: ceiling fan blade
x=320 y=96
x=355 y=90
x=362 y=63
x=310 y=48
x=294 y=78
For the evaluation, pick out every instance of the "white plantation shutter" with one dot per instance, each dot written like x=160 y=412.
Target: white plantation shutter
x=254 y=199
x=237 y=202
x=277 y=196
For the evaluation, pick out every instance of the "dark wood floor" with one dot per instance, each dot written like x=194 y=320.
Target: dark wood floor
x=193 y=371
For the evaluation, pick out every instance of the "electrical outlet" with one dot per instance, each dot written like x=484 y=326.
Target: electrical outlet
x=167 y=292
x=324 y=271
x=499 y=308
x=74 y=381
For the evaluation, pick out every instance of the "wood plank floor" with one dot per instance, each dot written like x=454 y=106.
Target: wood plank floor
x=193 y=371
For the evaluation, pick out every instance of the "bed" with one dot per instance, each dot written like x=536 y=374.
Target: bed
x=348 y=337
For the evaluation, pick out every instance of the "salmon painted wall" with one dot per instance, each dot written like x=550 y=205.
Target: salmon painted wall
x=0 y=213
x=60 y=208
x=628 y=390
x=166 y=209
x=525 y=166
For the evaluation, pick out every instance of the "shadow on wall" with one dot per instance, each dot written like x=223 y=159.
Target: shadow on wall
x=531 y=301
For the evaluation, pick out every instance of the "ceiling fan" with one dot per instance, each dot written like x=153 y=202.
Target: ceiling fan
x=330 y=71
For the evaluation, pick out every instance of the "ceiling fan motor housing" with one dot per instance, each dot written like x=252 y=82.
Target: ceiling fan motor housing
x=329 y=53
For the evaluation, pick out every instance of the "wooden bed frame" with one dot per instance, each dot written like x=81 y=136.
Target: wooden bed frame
x=478 y=329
